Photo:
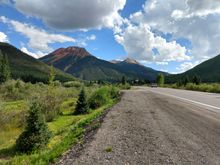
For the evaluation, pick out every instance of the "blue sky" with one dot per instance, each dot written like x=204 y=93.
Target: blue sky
x=163 y=34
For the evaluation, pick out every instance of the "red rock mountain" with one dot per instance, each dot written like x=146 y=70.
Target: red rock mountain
x=64 y=52
x=78 y=62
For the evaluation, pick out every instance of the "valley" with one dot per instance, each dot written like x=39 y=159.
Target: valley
x=88 y=114
x=109 y=82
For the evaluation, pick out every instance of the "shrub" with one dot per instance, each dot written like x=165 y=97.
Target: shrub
x=114 y=92
x=125 y=87
x=99 y=97
x=160 y=79
x=51 y=106
x=36 y=134
x=13 y=90
x=69 y=84
x=82 y=105
x=57 y=83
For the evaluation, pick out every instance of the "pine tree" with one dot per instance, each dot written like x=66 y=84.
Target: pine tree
x=82 y=104
x=186 y=80
x=196 y=80
x=5 y=72
x=36 y=134
x=123 y=80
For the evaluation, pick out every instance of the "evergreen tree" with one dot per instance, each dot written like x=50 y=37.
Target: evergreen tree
x=186 y=80
x=5 y=72
x=82 y=106
x=196 y=80
x=123 y=80
x=36 y=134
x=160 y=79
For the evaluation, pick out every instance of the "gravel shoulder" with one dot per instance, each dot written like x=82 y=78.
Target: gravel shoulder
x=148 y=128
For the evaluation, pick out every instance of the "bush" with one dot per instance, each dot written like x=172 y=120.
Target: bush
x=125 y=87
x=69 y=84
x=13 y=90
x=100 y=97
x=50 y=106
x=36 y=134
x=114 y=92
x=57 y=83
x=82 y=105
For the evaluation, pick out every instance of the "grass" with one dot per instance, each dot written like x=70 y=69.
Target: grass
x=204 y=87
x=108 y=149
x=14 y=105
x=9 y=137
x=67 y=129
x=61 y=142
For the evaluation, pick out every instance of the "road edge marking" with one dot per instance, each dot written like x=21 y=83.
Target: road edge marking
x=192 y=101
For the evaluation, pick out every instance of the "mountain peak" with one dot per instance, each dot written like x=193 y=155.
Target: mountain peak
x=131 y=61
x=69 y=51
x=72 y=50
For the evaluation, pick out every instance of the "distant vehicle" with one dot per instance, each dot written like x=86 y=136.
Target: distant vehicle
x=153 y=85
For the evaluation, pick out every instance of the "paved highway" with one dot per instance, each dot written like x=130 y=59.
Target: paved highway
x=156 y=126
x=210 y=101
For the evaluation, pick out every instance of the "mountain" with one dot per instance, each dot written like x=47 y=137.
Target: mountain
x=209 y=71
x=28 y=68
x=136 y=70
x=80 y=63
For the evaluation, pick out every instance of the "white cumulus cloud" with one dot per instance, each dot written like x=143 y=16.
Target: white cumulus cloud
x=196 y=21
x=38 y=39
x=74 y=14
x=3 y=37
x=186 y=66
x=38 y=54
x=140 y=42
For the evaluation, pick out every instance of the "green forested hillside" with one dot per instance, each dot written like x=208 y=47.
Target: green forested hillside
x=208 y=71
x=28 y=68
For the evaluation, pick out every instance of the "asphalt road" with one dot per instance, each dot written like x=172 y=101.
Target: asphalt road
x=152 y=126
x=204 y=99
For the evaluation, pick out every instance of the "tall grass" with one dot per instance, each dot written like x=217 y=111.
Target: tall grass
x=204 y=87
x=66 y=129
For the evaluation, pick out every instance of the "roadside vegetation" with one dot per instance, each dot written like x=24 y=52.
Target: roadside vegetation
x=24 y=107
x=39 y=122
x=203 y=87
x=194 y=83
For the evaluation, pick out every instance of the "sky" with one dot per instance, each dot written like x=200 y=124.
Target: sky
x=167 y=35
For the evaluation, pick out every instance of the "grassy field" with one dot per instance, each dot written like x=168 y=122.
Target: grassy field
x=66 y=128
x=204 y=87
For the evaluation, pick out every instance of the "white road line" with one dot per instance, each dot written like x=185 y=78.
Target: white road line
x=192 y=101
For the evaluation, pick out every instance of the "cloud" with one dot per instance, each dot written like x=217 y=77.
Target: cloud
x=91 y=38
x=162 y=63
x=142 y=44
x=38 y=39
x=82 y=41
x=38 y=54
x=3 y=37
x=186 y=66
x=196 y=21
x=4 y=2
x=74 y=14
x=200 y=8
